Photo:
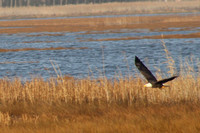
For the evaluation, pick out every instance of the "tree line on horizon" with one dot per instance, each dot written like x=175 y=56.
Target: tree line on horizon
x=23 y=3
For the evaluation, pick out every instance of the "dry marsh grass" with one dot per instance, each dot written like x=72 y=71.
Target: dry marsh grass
x=102 y=9
x=121 y=104
x=30 y=49
x=151 y=23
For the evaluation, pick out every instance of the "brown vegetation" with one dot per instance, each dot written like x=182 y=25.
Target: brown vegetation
x=101 y=105
x=29 y=49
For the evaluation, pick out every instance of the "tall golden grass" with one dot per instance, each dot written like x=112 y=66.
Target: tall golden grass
x=104 y=8
x=121 y=104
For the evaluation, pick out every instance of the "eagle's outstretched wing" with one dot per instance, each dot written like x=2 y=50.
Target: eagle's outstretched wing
x=166 y=80
x=145 y=71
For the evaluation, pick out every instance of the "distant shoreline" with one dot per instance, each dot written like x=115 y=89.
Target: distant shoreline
x=115 y=8
x=111 y=24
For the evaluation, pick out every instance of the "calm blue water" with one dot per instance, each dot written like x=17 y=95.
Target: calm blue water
x=102 y=57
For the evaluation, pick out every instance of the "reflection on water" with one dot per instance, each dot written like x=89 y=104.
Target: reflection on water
x=101 y=57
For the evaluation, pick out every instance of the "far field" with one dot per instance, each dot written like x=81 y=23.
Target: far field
x=103 y=9
x=100 y=24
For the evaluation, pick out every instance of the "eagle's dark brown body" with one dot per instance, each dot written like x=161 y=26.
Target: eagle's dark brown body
x=153 y=83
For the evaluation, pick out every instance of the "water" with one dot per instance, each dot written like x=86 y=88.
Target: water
x=101 y=57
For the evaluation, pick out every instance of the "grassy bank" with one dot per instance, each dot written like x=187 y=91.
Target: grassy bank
x=100 y=25
x=66 y=104
x=102 y=9
x=160 y=118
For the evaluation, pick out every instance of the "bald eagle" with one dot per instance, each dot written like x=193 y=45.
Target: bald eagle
x=153 y=83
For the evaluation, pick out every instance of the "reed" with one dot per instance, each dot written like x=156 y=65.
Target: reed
x=102 y=9
x=120 y=104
